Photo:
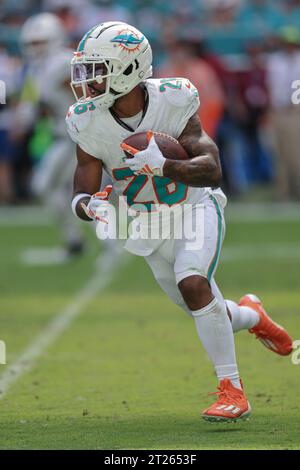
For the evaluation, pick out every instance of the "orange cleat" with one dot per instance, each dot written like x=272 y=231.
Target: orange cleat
x=272 y=335
x=232 y=404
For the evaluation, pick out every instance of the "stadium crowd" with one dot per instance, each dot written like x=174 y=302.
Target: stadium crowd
x=242 y=55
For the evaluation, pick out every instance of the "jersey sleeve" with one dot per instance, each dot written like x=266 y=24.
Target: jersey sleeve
x=78 y=121
x=183 y=97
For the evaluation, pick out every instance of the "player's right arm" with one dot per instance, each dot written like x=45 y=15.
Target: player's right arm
x=87 y=181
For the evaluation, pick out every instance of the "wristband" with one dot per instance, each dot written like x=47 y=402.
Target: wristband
x=76 y=199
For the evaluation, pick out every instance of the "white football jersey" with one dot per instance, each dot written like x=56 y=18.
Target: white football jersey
x=171 y=102
x=46 y=80
x=55 y=90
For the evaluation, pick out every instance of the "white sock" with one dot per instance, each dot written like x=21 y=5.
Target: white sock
x=242 y=318
x=215 y=332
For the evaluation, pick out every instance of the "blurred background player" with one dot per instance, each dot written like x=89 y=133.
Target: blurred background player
x=39 y=120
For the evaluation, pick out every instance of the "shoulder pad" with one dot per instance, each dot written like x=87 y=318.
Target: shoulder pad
x=179 y=91
x=79 y=116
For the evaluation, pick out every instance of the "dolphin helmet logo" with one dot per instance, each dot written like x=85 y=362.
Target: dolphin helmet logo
x=128 y=40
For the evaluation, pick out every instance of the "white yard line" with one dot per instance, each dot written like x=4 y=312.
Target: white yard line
x=106 y=266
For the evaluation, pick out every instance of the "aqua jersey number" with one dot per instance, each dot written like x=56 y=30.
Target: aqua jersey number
x=83 y=108
x=166 y=190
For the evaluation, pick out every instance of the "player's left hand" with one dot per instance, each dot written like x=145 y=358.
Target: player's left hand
x=145 y=162
x=97 y=206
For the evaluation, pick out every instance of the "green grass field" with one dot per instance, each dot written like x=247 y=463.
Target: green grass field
x=129 y=372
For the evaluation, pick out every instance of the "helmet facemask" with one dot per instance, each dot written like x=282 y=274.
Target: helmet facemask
x=85 y=74
x=110 y=71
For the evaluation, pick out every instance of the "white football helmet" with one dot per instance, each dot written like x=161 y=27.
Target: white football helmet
x=113 y=53
x=41 y=34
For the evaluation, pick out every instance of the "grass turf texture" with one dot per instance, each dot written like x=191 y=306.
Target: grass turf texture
x=130 y=372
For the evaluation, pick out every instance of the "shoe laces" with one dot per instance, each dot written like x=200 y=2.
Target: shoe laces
x=227 y=395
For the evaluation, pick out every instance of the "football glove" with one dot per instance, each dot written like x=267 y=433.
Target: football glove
x=97 y=208
x=145 y=162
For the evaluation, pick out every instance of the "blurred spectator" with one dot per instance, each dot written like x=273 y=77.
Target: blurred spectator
x=185 y=62
x=251 y=105
x=68 y=13
x=291 y=8
x=262 y=17
x=221 y=28
x=98 y=11
x=283 y=68
x=154 y=19
x=244 y=155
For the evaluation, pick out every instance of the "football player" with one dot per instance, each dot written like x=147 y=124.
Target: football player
x=115 y=97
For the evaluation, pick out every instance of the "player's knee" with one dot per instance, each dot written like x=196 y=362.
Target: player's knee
x=195 y=291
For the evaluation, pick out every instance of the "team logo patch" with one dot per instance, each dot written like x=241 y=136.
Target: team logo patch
x=128 y=40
